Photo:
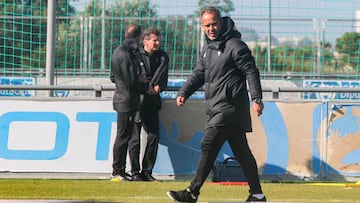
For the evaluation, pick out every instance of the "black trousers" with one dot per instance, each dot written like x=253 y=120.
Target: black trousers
x=211 y=144
x=125 y=126
x=150 y=123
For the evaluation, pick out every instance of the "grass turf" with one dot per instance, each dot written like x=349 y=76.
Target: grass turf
x=155 y=192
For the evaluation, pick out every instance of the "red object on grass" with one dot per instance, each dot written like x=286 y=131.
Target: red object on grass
x=230 y=183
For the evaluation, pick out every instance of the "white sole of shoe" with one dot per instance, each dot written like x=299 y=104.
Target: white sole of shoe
x=168 y=194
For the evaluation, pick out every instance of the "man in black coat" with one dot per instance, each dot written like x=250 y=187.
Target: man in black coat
x=125 y=73
x=154 y=66
x=224 y=66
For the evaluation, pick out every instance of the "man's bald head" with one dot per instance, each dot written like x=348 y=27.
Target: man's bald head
x=133 y=31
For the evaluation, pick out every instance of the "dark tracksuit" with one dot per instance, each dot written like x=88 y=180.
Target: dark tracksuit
x=224 y=66
x=126 y=100
x=155 y=66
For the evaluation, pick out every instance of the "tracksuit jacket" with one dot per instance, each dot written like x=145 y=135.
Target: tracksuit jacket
x=225 y=66
x=156 y=68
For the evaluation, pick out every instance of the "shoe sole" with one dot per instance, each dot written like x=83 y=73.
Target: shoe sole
x=171 y=197
x=168 y=194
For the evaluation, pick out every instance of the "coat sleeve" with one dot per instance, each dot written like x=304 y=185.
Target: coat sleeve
x=246 y=63
x=116 y=68
x=161 y=74
x=124 y=72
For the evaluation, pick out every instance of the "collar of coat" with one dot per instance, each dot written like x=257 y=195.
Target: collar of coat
x=142 y=50
x=131 y=44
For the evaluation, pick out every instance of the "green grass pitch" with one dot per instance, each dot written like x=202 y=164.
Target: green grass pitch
x=155 y=192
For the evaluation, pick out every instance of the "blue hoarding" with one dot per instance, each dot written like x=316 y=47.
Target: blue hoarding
x=17 y=81
x=331 y=95
x=179 y=83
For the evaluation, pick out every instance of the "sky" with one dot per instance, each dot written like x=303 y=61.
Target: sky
x=280 y=8
x=290 y=17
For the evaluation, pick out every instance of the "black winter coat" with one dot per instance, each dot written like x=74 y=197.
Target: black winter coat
x=224 y=66
x=125 y=71
x=156 y=67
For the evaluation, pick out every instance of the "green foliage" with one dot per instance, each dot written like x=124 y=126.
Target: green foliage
x=349 y=48
x=79 y=45
x=260 y=55
x=67 y=54
x=179 y=35
x=136 y=8
x=348 y=43
x=35 y=61
x=295 y=58
x=23 y=32
x=122 y=8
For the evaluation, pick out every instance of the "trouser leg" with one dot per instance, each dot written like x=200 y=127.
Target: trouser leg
x=240 y=147
x=210 y=146
x=124 y=129
x=151 y=127
x=134 y=148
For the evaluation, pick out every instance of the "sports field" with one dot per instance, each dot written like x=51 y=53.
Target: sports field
x=155 y=192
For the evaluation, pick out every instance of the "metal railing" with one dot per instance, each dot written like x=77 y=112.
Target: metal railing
x=99 y=89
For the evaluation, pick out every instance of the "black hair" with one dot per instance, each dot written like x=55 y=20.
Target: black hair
x=150 y=31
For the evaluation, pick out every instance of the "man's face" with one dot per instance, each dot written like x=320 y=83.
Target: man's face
x=152 y=43
x=211 y=25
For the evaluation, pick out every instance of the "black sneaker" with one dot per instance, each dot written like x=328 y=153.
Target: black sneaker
x=251 y=198
x=137 y=177
x=148 y=177
x=182 y=196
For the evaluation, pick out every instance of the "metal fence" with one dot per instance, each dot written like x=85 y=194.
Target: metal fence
x=291 y=41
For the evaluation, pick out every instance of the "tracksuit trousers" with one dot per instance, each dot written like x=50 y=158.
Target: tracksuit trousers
x=125 y=126
x=213 y=140
x=150 y=123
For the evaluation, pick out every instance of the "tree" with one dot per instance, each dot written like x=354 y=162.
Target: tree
x=79 y=44
x=348 y=43
x=179 y=35
x=24 y=31
x=260 y=55
x=348 y=47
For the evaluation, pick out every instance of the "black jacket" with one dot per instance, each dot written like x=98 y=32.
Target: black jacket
x=125 y=70
x=156 y=67
x=224 y=66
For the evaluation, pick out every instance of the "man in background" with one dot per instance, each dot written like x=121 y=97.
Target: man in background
x=125 y=69
x=154 y=64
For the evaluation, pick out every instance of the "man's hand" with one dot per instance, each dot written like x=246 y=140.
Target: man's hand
x=258 y=108
x=153 y=91
x=157 y=88
x=180 y=101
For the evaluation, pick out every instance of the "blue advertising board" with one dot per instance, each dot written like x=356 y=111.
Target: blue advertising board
x=17 y=81
x=179 y=83
x=331 y=95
